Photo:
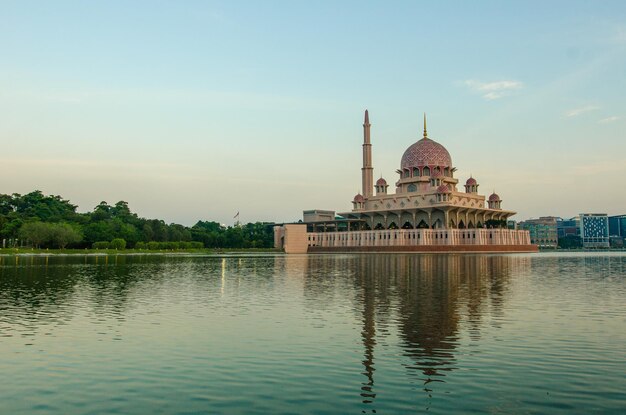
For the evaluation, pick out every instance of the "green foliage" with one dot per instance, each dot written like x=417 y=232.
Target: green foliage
x=50 y=221
x=153 y=246
x=118 y=243
x=250 y=235
x=36 y=232
x=50 y=235
x=63 y=234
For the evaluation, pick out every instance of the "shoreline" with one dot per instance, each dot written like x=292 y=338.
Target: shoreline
x=129 y=252
x=5 y=252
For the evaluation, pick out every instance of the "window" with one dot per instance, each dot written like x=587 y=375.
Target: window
x=412 y=188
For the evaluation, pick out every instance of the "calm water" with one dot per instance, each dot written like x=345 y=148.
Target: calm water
x=334 y=334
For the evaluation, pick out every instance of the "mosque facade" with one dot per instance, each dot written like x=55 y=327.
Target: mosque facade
x=427 y=212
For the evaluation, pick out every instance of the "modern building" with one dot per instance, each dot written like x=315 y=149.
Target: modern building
x=594 y=230
x=543 y=231
x=568 y=227
x=617 y=226
x=427 y=211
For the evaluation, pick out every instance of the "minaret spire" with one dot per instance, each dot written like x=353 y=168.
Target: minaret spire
x=367 y=172
x=425 y=133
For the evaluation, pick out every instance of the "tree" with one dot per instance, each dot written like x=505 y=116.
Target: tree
x=45 y=208
x=36 y=232
x=118 y=243
x=99 y=231
x=62 y=234
x=101 y=212
x=121 y=209
x=6 y=204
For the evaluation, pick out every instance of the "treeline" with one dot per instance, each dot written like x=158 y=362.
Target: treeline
x=45 y=221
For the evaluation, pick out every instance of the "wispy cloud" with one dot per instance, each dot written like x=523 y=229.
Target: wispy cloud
x=609 y=119
x=493 y=90
x=620 y=35
x=578 y=111
x=603 y=167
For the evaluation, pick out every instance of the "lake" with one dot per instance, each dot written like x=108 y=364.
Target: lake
x=317 y=334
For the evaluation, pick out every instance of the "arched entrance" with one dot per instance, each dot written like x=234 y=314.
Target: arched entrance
x=422 y=225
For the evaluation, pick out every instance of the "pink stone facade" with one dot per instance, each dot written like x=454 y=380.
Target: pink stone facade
x=426 y=209
x=418 y=237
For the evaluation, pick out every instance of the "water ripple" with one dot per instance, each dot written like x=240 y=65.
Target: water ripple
x=313 y=334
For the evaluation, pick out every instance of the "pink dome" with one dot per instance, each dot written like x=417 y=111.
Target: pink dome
x=443 y=189
x=381 y=182
x=471 y=181
x=426 y=152
x=494 y=198
x=358 y=198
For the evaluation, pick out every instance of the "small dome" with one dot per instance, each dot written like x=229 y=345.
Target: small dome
x=471 y=181
x=381 y=182
x=494 y=198
x=358 y=198
x=443 y=189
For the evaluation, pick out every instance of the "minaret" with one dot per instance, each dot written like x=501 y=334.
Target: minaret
x=367 y=172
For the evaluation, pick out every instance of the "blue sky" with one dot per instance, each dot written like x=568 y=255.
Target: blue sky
x=197 y=110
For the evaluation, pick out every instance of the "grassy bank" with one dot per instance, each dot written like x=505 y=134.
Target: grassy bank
x=206 y=251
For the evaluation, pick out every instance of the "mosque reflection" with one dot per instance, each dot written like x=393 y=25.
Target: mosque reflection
x=424 y=306
x=427 y=301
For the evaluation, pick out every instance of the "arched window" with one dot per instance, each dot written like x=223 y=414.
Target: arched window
x=416 y=172
x=412 y=188
x=426 y=171
x=407 y=173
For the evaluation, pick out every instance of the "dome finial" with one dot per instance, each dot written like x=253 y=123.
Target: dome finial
x=425 y=133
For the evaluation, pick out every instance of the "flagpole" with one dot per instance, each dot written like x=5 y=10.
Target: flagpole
x=236 y=217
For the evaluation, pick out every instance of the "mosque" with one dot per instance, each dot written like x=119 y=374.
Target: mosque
x=426 y=213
